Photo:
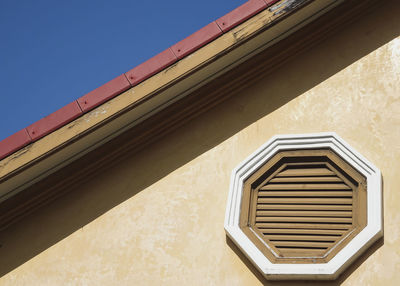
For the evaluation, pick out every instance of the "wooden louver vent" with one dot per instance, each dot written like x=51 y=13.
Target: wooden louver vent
x=303 y=206
x=304 y=209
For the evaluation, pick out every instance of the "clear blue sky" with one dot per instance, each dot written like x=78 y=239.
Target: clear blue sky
x=53 y=52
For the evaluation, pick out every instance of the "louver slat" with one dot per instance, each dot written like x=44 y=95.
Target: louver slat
x=293 y=252
x=303 y=244
x=305 y=187
x=303 y=237
x=304 y=213
x=277 y=231
x=304 y=209
x=292 y=225
x=306 y=194
x=305 y=180
x=303 y=219
x=300 y=200
x=306 y=172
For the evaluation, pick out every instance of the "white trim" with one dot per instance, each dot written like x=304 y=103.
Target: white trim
x=330 y=270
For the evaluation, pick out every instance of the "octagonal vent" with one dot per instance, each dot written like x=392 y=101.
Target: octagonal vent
x=309 y=202
x=304 y=205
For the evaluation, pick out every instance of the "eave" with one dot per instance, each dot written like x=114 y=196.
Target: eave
x=164 y=93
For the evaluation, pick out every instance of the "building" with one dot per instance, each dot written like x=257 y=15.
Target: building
x=128 y=185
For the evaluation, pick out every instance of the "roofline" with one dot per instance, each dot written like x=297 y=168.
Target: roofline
x=131 y=78
x=97 y=117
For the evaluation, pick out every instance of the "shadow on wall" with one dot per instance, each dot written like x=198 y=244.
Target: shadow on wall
x=52 y=223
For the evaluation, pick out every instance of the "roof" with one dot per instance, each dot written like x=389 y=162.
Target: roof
x=161 y=94
x=131 y=78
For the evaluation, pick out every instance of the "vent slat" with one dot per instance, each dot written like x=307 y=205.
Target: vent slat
x=301 y=252
x=305 y=213
x=305 y=187
x=294 y=225
x=304 y=219
x=305 y=194
x=320 y=201
x=300 y=244
x=328 y=238
x=268 y=231
x=306 y=180
x=306 y=172
x=303 y=207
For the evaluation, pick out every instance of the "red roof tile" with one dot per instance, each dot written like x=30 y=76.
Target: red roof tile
x=270 y=2
x=240 y=14
x=196 y=40
x=104 y=93
x=14 y=143
x=53 y=121
x=151 y=67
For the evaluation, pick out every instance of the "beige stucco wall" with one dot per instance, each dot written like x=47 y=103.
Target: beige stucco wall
x=157 y=218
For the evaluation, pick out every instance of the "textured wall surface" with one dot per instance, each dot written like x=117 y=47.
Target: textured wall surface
x=169 y=229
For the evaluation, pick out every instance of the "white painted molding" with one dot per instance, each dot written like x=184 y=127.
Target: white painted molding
x=330 y=270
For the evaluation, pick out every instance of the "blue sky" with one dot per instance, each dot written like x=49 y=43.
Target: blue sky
x=53 y=52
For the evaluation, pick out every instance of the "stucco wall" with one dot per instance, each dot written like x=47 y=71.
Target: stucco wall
x=166 y=223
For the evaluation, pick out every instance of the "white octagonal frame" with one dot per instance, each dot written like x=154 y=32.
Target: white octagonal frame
x=332 y=269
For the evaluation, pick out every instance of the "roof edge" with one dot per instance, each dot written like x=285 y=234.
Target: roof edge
x=81 y=127
x=133 y=77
